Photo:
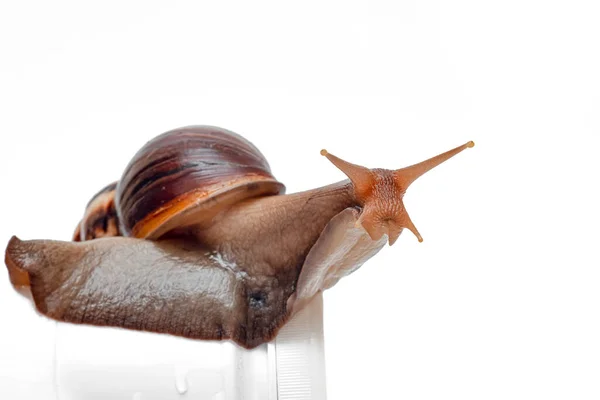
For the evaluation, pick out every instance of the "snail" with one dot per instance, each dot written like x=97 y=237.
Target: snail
x=197 y=239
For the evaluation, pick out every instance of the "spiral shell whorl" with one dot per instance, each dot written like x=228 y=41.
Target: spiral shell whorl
x=177 y=175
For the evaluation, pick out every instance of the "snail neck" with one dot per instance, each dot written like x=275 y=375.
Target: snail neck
x=293 y=213
x=276 y=232
x=310 y=210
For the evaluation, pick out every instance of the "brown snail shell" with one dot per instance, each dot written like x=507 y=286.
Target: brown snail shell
x=100 y=218
x=180 y=178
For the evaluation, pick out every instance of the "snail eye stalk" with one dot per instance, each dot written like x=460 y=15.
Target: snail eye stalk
x=380 y=192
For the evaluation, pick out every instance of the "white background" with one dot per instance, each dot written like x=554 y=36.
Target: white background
x=502 y=300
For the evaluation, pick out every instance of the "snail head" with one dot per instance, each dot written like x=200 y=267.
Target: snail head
x=380 y=191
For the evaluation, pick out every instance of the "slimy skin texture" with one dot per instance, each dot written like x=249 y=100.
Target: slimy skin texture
x=171 y=287
x=232 y=259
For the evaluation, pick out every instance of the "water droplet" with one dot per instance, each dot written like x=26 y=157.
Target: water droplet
x=137 y=396
x=181 y=383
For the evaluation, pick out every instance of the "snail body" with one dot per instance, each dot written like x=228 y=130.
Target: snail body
x=198 y=239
